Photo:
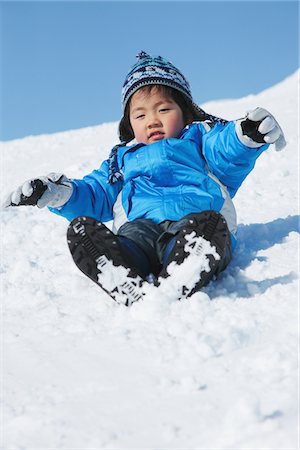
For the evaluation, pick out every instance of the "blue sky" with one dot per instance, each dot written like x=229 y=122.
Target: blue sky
x=64 y=63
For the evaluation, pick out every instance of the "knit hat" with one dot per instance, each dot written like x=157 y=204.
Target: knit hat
x=153 y=70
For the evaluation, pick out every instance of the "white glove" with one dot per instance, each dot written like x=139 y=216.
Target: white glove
x=259 y=127
x=53 y=190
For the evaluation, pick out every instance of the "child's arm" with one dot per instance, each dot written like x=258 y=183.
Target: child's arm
x=92 y=196
x=232 y=150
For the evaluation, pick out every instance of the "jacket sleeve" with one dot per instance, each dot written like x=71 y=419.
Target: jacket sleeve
x=92 y=196
x=227 y=158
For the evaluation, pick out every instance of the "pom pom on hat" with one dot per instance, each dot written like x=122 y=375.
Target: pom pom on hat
x=150 y=70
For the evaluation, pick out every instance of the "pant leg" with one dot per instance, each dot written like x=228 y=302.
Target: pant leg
x=143 y=234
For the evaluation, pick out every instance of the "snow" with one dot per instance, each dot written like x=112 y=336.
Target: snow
x=217 y=371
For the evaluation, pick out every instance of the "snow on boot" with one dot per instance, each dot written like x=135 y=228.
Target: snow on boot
x=97 y=253
x=195 y=254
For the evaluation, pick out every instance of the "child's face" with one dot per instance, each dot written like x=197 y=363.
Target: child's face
x=154 y=117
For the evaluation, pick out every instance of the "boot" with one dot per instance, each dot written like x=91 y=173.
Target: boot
x=107 y=260
x=200 y=250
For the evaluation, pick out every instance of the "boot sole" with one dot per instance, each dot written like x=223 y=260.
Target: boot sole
x=193 y=240
x=96 y=252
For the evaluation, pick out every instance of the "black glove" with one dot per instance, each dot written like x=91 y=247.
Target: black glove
x=259 y=127
x=53 y=190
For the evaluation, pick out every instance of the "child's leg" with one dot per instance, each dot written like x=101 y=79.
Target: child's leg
x=141 y=236
x=98 y=253
x=175 y=247
x=117 y=263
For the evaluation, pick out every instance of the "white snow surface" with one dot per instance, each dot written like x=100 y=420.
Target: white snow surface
x=217 y=371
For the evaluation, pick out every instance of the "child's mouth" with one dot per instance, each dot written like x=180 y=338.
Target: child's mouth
x=155 y=135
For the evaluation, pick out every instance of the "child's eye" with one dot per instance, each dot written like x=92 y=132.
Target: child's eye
x=164 y=109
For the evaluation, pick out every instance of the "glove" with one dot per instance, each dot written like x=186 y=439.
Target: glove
x=259 y=127
x=53 y=190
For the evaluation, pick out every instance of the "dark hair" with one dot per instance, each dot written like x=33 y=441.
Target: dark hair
x=190 y=111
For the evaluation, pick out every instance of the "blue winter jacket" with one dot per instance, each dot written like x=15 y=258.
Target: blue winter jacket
x=200 y=170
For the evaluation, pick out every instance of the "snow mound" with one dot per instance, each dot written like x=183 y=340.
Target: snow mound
x=217 y=371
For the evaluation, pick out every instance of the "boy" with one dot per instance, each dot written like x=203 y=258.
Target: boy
x=168 y=188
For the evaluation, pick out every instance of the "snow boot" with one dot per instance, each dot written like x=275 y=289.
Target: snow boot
x=200 y=250
x=97 y=252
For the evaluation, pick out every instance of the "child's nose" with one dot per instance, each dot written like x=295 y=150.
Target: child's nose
x=153 y=121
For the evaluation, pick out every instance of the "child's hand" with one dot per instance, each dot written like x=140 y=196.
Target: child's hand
x=53 y=190
x=259 y=127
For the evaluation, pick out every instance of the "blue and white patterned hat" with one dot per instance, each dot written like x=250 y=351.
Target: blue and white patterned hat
x=153 y=70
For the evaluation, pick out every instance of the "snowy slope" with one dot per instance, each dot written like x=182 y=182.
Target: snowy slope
x=218 y=371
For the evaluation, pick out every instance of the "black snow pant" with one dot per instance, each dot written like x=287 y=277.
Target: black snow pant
x=145 y=243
